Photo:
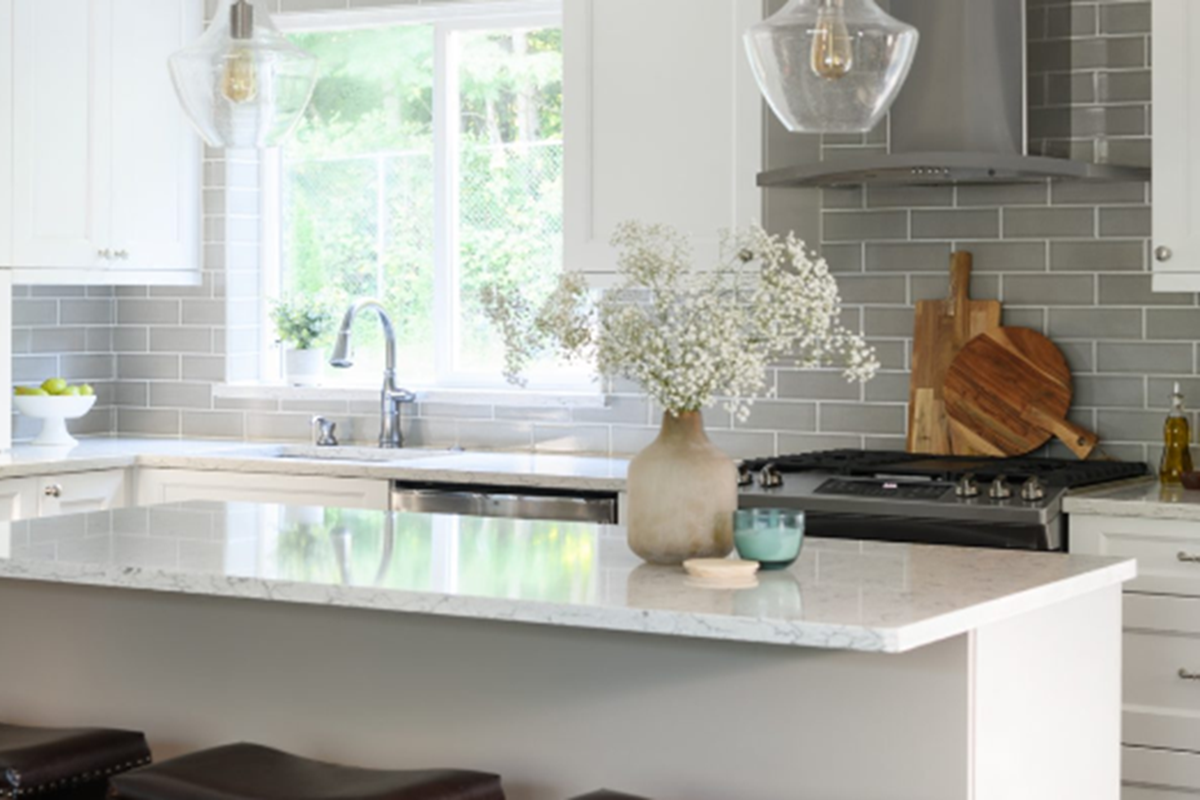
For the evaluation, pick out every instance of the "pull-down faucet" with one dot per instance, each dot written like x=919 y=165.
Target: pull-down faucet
x=392 y=397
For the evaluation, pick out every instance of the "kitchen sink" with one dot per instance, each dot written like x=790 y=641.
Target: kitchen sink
x=357 y=454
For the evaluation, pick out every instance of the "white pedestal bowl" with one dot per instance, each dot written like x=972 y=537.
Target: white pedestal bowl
x=54 y=413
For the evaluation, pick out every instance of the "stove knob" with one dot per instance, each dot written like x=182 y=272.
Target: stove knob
x=1000 y=490
x=1033 y=490
x=745 y=476
x=769 y=477
x=967 y=487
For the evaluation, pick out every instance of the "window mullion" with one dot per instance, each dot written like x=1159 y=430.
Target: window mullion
x=445 y=138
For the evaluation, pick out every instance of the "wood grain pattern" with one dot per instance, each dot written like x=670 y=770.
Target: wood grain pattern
x=1007 y=392
x=942 y=328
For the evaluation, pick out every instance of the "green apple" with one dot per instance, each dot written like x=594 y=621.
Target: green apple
x=36 y=392
x=55 y=386
x=87 y=391
x=70 y=391
x=26 y=391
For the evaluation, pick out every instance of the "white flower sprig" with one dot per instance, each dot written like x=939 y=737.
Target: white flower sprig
x=691 y=339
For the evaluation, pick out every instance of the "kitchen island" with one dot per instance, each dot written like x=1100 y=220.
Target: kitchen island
x=546 y=652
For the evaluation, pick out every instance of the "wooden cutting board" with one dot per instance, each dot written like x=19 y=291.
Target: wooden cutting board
x=942 y=328
x=1007 y=392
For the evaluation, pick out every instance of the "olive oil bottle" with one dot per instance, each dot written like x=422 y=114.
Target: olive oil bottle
x=1177 y=440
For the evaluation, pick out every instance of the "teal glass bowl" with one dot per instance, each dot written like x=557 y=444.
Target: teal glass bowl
x=770 y=536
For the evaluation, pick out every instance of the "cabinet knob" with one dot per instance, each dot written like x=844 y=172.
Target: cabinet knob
x=1163 y=253
x=53 y=490
x=104 y=253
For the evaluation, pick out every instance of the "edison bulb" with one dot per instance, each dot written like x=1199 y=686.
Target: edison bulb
x=832 y=48
x=239 y=79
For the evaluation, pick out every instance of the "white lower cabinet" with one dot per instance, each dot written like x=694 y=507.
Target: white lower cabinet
x=56 y=495
x=82 y=492
x=156 y=486
x=1161 y=721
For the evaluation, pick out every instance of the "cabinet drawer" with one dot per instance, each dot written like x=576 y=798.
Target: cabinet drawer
x=1167 y=551
x=1159 y=768
x=1162 y=672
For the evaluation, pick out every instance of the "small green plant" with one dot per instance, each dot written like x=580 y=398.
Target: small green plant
x=302 y=323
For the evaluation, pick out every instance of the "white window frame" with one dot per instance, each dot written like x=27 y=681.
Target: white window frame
x=447 y=20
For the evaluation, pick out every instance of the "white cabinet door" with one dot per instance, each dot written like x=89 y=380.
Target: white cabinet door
x=1176 y=188
x=663 y=122
x=157 y=486
x=156 y=155
x=106 y=170
x=82 y=492
x=6 y=133
x=18 y=499
x=61 y=133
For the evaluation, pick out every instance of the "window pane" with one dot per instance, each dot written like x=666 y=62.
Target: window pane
x=510 y=168
x=358 y=183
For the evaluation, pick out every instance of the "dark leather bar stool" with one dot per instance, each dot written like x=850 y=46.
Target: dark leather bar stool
x=58 y=764
x=251 y=772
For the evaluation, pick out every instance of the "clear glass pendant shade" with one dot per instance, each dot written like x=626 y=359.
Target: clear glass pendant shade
x=243 y=83
x=831 y=66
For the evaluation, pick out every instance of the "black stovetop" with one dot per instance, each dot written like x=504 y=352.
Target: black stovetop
x=1064 y=473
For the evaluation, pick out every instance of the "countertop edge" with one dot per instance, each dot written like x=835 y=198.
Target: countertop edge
x=622 y=620
x=650 y=622
x=959 y=622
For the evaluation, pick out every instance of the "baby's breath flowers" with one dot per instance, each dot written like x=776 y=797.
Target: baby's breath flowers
x=691 y=339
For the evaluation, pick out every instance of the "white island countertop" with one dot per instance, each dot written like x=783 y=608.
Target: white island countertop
x=841 y=595
x=540 y=470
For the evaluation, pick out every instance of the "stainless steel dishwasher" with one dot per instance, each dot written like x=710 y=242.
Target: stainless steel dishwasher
x=510 y=502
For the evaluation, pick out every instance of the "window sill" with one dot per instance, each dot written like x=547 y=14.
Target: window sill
x=478 y=397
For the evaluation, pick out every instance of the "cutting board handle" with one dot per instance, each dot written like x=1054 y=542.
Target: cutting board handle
x=1079 y=441
x=960 y=283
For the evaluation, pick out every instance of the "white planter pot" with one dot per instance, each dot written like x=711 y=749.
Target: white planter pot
x=682 y=495
x=304 y=367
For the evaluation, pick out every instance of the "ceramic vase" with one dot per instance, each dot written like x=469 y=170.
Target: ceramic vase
x=304 y=367
x=682 y=495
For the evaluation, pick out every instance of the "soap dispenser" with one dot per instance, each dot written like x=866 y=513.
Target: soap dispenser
x=1177 y=440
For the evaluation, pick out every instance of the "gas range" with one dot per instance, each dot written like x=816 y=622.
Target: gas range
x=1013 y=503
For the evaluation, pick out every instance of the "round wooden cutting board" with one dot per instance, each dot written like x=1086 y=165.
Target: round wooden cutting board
x=1008 y=391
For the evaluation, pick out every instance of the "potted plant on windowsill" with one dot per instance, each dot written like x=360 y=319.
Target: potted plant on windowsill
x=691 y=340
x=301 y=325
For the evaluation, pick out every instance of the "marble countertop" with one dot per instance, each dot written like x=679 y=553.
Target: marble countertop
x=519 y=470
x=1146 y=498
x=844 y=595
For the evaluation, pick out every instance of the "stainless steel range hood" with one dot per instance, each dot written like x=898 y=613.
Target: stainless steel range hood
x=962 y=117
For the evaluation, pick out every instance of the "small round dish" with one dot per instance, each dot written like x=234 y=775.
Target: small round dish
x=722 y=573
x=54 y=411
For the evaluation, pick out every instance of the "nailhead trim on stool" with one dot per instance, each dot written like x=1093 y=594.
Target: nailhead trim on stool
x=253 y=772
x=49 y=763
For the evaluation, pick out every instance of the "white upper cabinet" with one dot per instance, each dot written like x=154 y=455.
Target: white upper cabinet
x=663 y=122
x=106 y=172
x=1176 y=123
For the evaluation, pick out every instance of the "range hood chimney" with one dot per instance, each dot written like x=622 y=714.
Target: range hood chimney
x=962 y=116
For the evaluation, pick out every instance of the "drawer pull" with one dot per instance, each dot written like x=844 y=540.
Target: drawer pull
x=1188 y=558
x=53 y=490
x=1187 y=675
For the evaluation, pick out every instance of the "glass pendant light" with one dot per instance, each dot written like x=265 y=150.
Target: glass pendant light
x=242 y=83
x=831 y=66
